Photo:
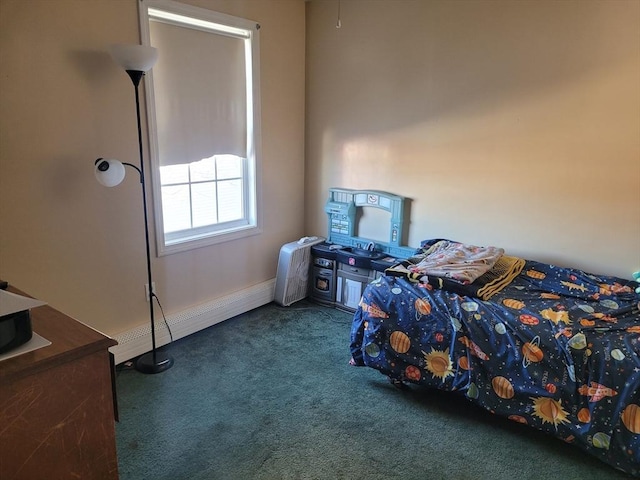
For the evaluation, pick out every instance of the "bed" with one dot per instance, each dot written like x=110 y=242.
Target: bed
x=555 y=348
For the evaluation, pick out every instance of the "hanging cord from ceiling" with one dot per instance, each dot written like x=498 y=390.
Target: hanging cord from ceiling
x=338 y=23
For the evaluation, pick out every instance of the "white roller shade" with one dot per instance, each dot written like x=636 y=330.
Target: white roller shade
x=205 y=111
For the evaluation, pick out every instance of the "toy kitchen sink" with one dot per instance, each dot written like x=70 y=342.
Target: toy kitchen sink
x=358 y=257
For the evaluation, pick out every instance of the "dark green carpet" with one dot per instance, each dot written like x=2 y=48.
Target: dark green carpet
x=270 y=395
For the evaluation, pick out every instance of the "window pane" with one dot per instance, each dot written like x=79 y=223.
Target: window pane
x=176 y=208
x=229 y=166
x=174 y=174
x=204 y=170
x=204 y=204
x=230 y=196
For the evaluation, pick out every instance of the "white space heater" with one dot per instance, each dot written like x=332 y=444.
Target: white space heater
x=294 y=270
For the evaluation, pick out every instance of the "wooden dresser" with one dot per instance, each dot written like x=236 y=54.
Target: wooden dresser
x=57 y=410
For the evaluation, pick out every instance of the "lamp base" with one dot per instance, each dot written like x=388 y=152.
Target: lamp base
x=154 y=362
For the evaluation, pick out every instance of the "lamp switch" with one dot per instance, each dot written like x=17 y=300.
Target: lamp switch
x=146 y=289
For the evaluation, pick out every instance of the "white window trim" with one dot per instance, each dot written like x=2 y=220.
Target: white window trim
x=253 y=163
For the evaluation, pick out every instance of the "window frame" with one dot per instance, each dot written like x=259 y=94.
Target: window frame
x=226 y=231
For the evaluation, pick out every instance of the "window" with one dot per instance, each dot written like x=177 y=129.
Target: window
x=204 y=128
x=198 y=195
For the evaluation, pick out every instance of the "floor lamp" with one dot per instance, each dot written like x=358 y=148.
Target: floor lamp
x=136 y=60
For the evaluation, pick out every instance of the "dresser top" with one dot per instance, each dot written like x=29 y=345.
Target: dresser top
x=70 y=339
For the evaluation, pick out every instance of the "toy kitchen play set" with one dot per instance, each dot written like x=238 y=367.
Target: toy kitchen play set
x=346 y=262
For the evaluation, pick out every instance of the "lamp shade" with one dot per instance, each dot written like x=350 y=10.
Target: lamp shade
x=109 y=172
x=140 y=58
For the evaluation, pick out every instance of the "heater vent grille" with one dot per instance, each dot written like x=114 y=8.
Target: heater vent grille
x=138 y=340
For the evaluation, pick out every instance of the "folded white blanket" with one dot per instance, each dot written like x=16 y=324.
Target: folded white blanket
x=458 y=261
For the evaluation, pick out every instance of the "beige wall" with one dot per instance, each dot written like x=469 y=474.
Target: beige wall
x=513 y=123
x=508 y=123
x=63 y=103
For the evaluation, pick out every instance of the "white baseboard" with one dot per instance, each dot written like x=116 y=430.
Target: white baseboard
x=137 y=341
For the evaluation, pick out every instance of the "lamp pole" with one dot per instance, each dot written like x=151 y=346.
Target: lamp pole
x=154 y=361
x=136 y=60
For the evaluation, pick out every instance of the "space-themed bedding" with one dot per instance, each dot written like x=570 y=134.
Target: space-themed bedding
x=554 y=348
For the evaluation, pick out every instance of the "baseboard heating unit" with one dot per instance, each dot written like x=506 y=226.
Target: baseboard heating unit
x=191 y=320
x=294 y=268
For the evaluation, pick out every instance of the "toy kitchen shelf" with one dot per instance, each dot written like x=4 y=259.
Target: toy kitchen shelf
x=344 y=264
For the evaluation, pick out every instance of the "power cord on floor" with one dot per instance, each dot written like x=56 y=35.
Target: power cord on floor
x=163 y=315
x=130 y=364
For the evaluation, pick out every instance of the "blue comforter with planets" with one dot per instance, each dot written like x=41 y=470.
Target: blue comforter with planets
x=557 y=349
